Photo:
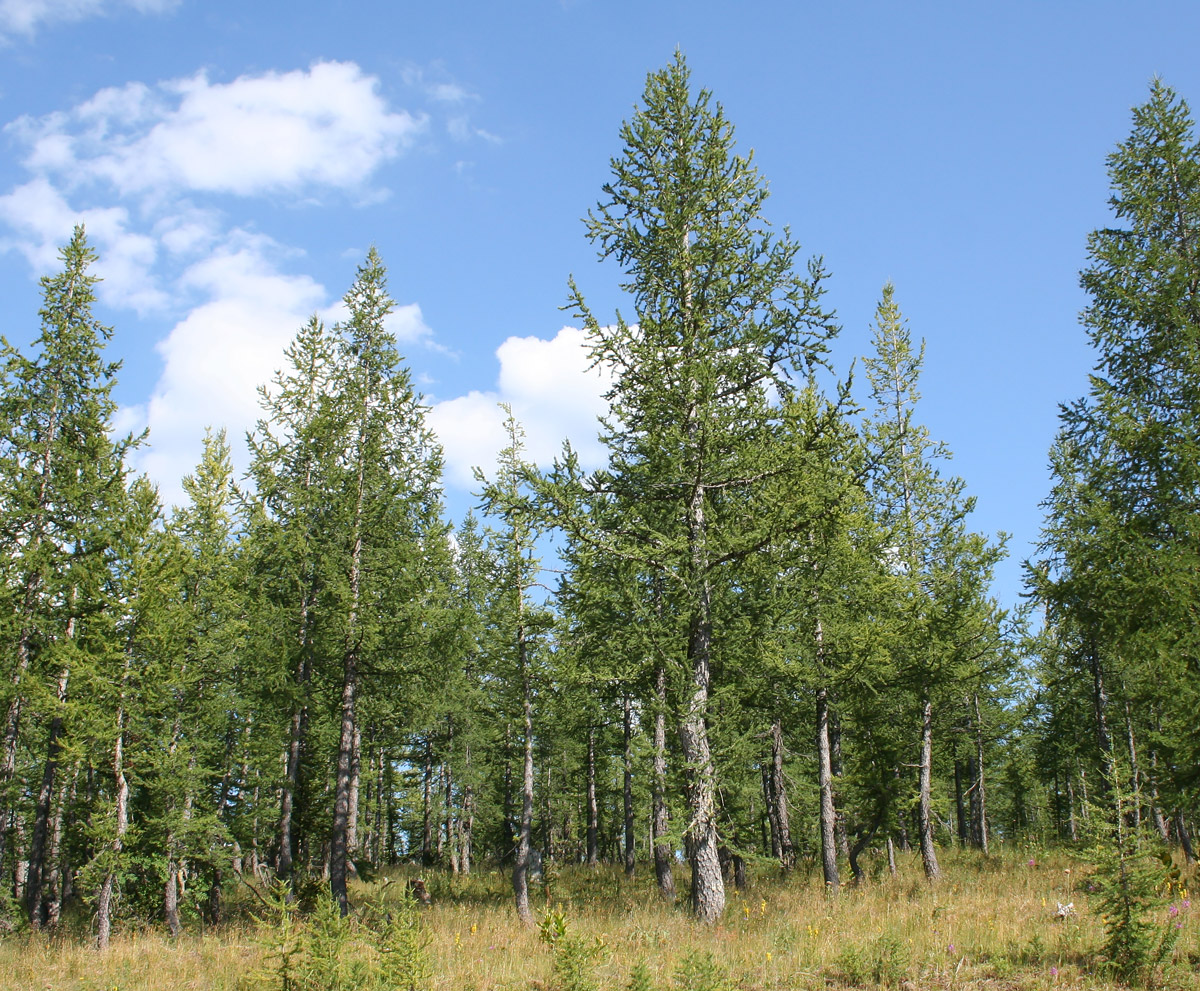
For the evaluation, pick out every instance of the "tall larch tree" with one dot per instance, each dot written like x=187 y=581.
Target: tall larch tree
x=722 y=323
x=62 y=481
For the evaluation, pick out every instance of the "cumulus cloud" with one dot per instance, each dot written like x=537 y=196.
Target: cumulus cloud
x=553 y=394
x=215 y=358
x=40 y=219
x=153 y=172
x=24 y=16
x=327 y=126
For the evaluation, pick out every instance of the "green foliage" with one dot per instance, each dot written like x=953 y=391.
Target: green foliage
x=700 y=971
x=1130 y=879
x=280 y=939
x=575 y=957
x=640 y=977
x=884 y=962
x=403 y=948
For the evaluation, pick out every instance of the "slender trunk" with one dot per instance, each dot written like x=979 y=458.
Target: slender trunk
x=787 y=852
x=510 y=827
x=835 y=758
x=770 y=826
x=960 y=807
x=427 y=806
x=1100 y=711
x=59 y=886
x=355 y=782
x=1071 y=824
x=627 y=793
x=979 y=797
x=339 y=858
x=1135 y=777
x=663 y=854
x=338 y=852
x=708 y=887
x=891 y=855
x=1185 y=839
x=297 y=731
x=829 y=864
x=121 y=810
x=36 y=886
x=1160 y=821
x=593 y=810
x=524 y=847
x=925 y=794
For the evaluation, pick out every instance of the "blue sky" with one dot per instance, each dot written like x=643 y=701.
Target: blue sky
x=233 y=162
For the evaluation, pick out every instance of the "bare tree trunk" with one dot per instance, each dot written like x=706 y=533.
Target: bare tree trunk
x=59 y=886
x=778 y=799
x=36 y=886
x=427 y=807
x=297 y=731
x=1071 y=824
x=1185 y=839
x=355 y=782
x=121 y=810
x=960 y=807
x=593 y=810
x=925 y=794
x=1160 y=821
x=829 y=864
x=1135 y=776
x=338 y=853
x=521 y=862
x=663 y=854
x=708 y=887
x=627 y=792
x=979 y=797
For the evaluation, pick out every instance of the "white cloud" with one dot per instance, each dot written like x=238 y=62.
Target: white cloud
x=217 y=356
x=553 y=394
x=327 y=127
x=139 y=165
x=42 y=219
x=23 y=16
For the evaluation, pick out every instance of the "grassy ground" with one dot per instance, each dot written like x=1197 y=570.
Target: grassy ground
x=991 y=924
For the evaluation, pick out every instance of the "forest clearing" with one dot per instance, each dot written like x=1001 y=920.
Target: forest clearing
x=737 y=709
x=993 y=923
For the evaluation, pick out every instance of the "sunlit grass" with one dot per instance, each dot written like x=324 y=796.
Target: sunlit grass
x=991 y=923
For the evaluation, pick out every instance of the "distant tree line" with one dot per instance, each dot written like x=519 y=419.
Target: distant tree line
x=772 y=637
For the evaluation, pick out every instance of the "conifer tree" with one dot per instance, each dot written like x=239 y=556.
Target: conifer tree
x=722 y=322
x=62 y=479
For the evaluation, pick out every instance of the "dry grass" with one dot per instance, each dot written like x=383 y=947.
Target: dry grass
x=990 y=924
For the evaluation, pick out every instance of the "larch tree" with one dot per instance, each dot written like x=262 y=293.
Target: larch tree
x=1121 y=543
x=941 y=569
x=508 y=498
x=62 y=482
x=723 y=321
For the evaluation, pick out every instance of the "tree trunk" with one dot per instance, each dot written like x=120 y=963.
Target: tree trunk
x=121 y=815
x=1185 y=839
x=960 y=807
x=338 y=852
x=297 y=730
x=979 y=795
x=355 y=783
x=593 y=810
x=829 y=864
x=627 y=793
x=708 y=887
x=663 y=854
x=778 y=799
x=925 y=794
x=524 y=847
x=36 y=886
